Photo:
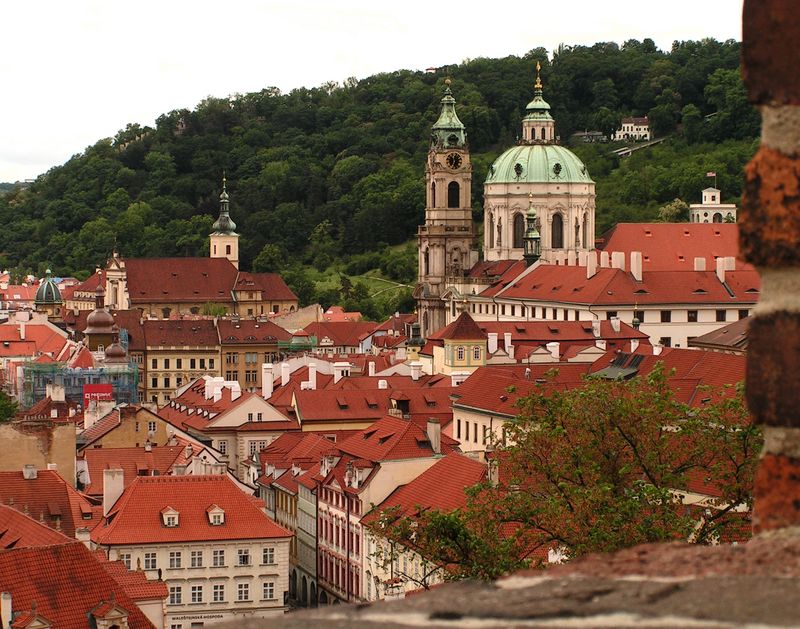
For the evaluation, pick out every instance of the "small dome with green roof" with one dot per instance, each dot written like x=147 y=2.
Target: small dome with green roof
x=448 y=130
x=48 y=292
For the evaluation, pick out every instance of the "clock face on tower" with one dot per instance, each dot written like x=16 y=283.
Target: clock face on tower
x=454 y=160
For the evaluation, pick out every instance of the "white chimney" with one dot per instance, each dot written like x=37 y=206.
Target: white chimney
x=53 y=467
x=604 y=260
x=596 y=328
x=492 y=346
x=636 y=265
x=383 y=384
x=582 y=258
x=601 y=344
x=29 y=472
x=113 y=485
x=148 y=447
x=21 y=330
x=312 y=376
x=5 y=610
x=371 y=368
x=591 y=265
x=285 y=374
x=618 y=260
x=507 y=343
x=571 y=257
x=615 y=324
x=208 y=392
x=416 y=370
x=266 y=380
x=657 y=349
x=634 y=344
x=730 y=263
x=554 y=347
x=339 y=371
x=55 y=392
x=699 y=264
x=435 y=435
x=721 y=269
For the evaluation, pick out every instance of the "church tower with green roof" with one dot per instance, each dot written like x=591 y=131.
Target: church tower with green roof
x=223 y=240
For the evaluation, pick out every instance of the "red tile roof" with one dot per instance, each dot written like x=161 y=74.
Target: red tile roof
x=463 y=328
x=198 y=280
x=64 y=582
x=48 y=498
x=674 y=246
x=271 y=285
x=614 y=287
x=250 y=331
x=392 y=438
x=41 y=338
x=440 y=487
x=134 y=582
x=17 y=530
x=490 y=270
x=337 y=313
x=136 y=517
x=179 y=333
x=133 y=462
x=341 y=333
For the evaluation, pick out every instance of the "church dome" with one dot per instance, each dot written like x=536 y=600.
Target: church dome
x=48 y=292
x=538 y=163
x=100 y=320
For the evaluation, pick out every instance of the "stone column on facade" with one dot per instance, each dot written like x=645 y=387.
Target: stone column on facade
x=770 y=240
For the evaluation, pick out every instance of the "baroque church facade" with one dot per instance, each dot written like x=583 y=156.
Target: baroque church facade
x=535 y=182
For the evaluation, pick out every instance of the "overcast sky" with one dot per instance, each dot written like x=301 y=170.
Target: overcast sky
x=75 y=71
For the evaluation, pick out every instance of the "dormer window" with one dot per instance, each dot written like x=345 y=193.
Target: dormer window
x=216 y=516
x=170 y=517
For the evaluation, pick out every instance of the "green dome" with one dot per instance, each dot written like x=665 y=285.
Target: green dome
x=48 y=292
x=538 y=163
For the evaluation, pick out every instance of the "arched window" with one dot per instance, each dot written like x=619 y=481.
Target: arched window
x=491 y=231
x=519 y=231
x=461 y=352
x=476 y=352
x=717 y=217
x=426 y=262
x=453 y=194
x=557 y=232
x=542 y=133
x=433 y=194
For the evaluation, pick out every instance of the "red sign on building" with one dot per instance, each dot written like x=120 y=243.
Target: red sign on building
x=91 y=392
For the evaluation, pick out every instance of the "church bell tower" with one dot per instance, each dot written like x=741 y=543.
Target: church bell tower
x=224 y=241
x=447 y=244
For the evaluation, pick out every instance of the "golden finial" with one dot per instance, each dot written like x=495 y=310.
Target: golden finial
x=538 y=84
x=530 y=200
x=447 y=82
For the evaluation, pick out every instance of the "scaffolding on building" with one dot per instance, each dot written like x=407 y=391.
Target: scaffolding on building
x=123 y=378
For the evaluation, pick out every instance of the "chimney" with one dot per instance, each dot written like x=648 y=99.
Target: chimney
x=284 y=374
x=371 y=368
x=148 y=447
x=582 y=255
x=492 y=346
x=591 y=265
x=634 y=344
x=416 y=370
x=507 y=344
x=5 y=610
x=636 y=265
x=721 y=269
x=266 y=380
x=312 y=376
x=730 y=263
x=601 y=344
x=340 y=371
x=657 y=349
x=435 y=435
x=615 y=324
x=596 y=328
x=571 y=257
x=188 y=451
x=208 y=392
x=699 y=264
x=604 y=260
x=53 y=467
x=113 y=485
x=383 y=384
x=554 y=347
x=618 y=260
x=29 y=472
x=55 y=392
x=21 y=330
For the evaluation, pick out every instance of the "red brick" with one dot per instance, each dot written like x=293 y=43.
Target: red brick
x=777 y=493
x=770 y=49
x=769 y=224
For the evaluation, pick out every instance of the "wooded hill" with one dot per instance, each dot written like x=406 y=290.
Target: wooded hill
x=318 y=175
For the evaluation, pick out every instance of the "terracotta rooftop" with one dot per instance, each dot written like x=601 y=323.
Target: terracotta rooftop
x=341 y=333
x=250 y=331
x=17 y=530
x=136 y=516
x=195 y=280
x=463 y=328
x=729 y=338
x=181 y=333
x=393 y=438
x=271 y=285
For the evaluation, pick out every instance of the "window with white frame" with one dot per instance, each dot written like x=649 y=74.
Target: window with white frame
x=218 y=558
x=196 y=559
x=151 y=426
x=150 y=562
x=197 y=594
x=268 y=590
x=218 y=592
x=222 y=446
x=175 y=595
x=242 y=591
x=175 y=559
x=243 y=557
x=460 y=352
x=126 y=559
x=268 y=555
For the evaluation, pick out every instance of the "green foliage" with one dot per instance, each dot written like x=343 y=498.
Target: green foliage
x=326 y=173
x=676 y=211
x=8 y=407
x=595 y=469
x=213 y=309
